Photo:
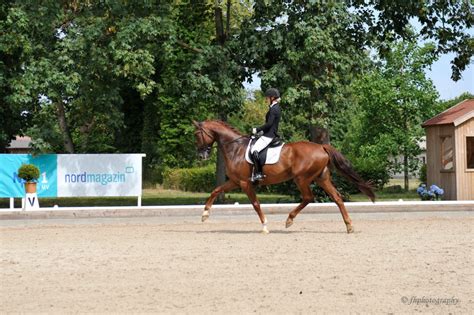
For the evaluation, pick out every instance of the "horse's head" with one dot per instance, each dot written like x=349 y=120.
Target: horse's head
x=204 y=140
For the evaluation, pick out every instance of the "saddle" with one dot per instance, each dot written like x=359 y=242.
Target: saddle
x=269 y=155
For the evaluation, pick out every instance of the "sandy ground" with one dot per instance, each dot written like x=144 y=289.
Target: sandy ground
x=394 y=263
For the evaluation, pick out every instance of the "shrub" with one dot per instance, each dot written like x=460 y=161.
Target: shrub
x=199 y=179
x=290 y=188
x=368 y=169
x=342 y=186
x=153 y=175
x=423 y=176
x=29 y=172
x=285 y=188
x=395 y=189
x=374 y=170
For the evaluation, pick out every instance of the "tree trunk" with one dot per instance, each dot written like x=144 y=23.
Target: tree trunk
x=227 y=27
x=149 y=134
x=319 y=135
x=221 y=38
x=220 y=166
x=220 y=33
x=405 y=170
x=68 y=144
x=405 y=150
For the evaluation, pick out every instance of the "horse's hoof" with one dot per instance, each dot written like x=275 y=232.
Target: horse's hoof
x=289 y=222
x=205 y=215
x=265 y=231
x=350 y=229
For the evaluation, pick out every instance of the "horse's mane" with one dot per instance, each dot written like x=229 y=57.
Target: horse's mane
x=225 y=124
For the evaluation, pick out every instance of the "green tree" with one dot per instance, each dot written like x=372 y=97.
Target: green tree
x=393 y=100
x=443 y=105
x=80 y=57
x=445 y=23
x=252 y=114
x=15 y=47
x=129 y=76
x=108 y=76
x=311 y=52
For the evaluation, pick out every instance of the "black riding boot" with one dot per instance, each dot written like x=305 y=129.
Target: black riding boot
x=257 y=174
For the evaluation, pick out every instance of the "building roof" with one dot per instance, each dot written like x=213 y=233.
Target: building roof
x=456 y=115
x=20 y=143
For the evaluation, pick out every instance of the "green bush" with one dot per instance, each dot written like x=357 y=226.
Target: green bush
x=343 y=186
x=285 y=188
x=423 y=175
x=29 y=172
x=374 y=170
x=153 y=175
x=290 y=188
x=394 y=189
x=198 y=179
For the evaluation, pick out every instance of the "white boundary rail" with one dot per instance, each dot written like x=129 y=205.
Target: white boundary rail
x=184 y=210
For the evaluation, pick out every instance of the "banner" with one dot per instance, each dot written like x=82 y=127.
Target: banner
x=11 y=186
x=99 y=175
x=74 y=175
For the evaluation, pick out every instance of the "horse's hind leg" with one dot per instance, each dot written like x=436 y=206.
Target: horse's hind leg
x=227 y=186
x=306 y=195
x=326 y=184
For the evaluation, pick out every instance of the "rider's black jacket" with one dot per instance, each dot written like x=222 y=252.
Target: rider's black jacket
x=270 y=129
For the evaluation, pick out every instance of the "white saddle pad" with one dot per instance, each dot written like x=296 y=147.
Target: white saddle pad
x=273 y=154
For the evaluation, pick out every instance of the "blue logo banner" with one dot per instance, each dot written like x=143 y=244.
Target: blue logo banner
x=11 y=186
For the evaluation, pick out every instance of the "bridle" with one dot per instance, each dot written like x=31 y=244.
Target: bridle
x=207 y=148
x=204 y=147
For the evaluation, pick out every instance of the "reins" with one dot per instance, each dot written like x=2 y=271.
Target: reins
x=202 y=130
x=231 y=141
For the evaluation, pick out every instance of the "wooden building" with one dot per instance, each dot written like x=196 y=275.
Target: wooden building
x=20 y=145
x=450 y=151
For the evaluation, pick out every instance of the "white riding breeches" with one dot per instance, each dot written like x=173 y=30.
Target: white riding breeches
x=261 y=144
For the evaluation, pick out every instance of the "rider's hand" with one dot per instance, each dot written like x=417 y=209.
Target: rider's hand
x=254 y=131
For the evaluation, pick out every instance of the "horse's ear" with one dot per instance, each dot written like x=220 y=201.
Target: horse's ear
x=195 y=123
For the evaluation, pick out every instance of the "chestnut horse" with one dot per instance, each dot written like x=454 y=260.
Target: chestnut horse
x=304 y=162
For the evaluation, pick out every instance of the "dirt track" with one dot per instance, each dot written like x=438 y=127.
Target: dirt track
x=392 y=264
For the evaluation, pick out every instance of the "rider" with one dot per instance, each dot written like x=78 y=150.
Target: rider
x=269 y=129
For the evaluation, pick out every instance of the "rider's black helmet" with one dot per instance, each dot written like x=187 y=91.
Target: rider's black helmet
x=272 y=92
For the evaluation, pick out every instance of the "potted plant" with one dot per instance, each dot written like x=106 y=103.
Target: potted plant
x=30 y=174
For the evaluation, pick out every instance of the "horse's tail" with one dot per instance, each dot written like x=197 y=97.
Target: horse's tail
x=344 y=167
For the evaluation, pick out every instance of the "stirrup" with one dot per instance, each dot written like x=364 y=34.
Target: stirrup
x=257 y=177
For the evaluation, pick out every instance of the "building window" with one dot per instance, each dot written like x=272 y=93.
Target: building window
x=447 y=153
x=470 y=152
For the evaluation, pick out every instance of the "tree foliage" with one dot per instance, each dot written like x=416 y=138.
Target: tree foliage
x=115 y=76
x=129 y=76
x=310 y=50
x=392 y=101
x=444 y=105
x=446 y=23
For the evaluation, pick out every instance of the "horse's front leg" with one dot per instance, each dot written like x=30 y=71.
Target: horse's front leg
x=227 y=186
x=249 y=190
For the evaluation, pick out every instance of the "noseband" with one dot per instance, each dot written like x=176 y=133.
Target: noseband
x=204 y=147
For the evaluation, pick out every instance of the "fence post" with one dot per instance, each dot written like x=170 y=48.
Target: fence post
x=12 y=203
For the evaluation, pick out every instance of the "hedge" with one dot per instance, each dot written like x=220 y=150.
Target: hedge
x=198 y=179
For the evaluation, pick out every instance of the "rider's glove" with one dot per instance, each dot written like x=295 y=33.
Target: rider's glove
x=254 y=131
